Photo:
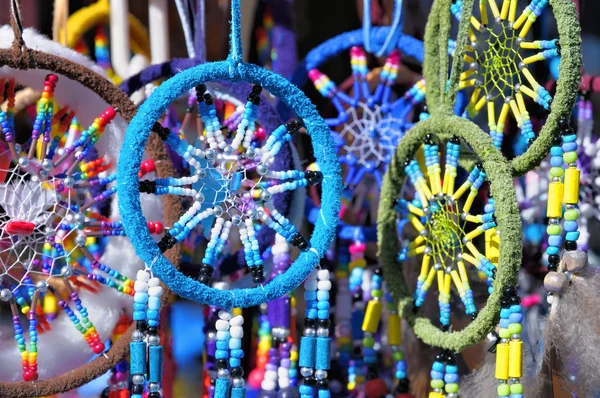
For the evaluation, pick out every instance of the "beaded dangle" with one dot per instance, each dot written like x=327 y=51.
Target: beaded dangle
x=497 y=65
x=444 y=376
x=228 y=355
x=446 y=230
x=509 y=349
x=145 y=349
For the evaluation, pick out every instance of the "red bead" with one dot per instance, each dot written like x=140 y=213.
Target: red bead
x=52 y=78
x=159 y=227
x=98 y=348
x=376 y=388
x=28 y=376
x=110 y=113
x=256 y=377
x=124 y=393
x=17 y=227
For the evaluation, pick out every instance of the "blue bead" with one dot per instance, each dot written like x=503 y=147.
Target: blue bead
x=234 y=362
x=552 y=250
x=438 y=366
x=222 y=345
x=572 y=236
x=323 y=305
x=451 y=369
x=435 y=375
x=554 y=240
x=515 y=317
x=139 y=315
x=237 y=353
x=451 y=378
x=570 y=225
x=221 y=354
x=139 y=307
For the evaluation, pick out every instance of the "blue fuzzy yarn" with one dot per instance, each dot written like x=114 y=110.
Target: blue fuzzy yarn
x=129 y=195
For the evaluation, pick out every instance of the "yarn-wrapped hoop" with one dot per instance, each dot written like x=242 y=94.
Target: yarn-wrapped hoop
x=507 y=220
x=128 y=186
x=19 y=56
x=521 y=52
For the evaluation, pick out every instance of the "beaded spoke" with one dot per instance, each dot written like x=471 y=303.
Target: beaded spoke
x=497 y=59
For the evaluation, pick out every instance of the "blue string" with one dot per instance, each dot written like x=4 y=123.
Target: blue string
x=367 y=25
x=200 y=32
x=395 y=31
x=235 y=44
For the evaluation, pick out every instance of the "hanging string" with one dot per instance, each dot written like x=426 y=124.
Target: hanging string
x=59 y=22
x=367 y=25
x=235 y=51
x=200 y=31
x=184 y=16
x=395 y=30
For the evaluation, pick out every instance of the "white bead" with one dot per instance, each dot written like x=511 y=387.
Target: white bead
x=140 y=286
x=284 y=382
x=237 y=320
x=155 y=291
x=310 y=284
x=271 y=375
x=282 y=372
x=221 y=324
x=324 y=285
x=237 y=332
x=268 y=385
x=154 y=282
x=142 y=275
x=222 y=335
x=323 y=274
x=226 y=315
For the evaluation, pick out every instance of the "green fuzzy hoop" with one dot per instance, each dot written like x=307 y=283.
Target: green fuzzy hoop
x=441 y=95
x=507 y=217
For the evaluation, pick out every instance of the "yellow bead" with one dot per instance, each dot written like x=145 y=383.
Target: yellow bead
x=372 y=316
x=502 y=361
x=293 y=356
x=394 y=330
x=515 y=368
x=25 y=309
x=351 y=386
x=571 y=190
x=555 y=195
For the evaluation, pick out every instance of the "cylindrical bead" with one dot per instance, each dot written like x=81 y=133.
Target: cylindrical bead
x=372 y=316
x=502 y=361
x=155 y=366
x=515 y=368
x=222 y=388
x=137 y=356
x=394 y=330
x=307 y=352
x=323 y=352
x=571 y=194
x=555 y=195
x=238 y=392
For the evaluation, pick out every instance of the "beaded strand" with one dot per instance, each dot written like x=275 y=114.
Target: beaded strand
x=509 y=351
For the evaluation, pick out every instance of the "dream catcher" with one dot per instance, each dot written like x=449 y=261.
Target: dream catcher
x=226 y=197
x=465 y=213
x=56 y=178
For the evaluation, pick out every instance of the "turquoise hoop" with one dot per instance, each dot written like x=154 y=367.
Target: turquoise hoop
x=129 y=196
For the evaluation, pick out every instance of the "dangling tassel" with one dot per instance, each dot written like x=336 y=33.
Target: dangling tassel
x=572 y=338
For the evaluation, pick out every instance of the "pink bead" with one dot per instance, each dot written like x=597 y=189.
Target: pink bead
x=314 y=74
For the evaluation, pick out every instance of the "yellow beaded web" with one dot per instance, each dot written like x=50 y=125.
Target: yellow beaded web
x=497 y=68
x=447 y=231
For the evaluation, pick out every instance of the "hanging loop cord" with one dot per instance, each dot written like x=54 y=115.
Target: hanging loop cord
x=393 y=35
x=235 y=45
x=17 y=25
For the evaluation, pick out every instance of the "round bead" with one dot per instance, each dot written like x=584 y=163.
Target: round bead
x=556 y=282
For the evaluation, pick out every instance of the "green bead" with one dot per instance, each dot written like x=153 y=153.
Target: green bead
x=571 y=215
x=515 y=328
x=451 y=388
x=504 y=333
x=516 y=388
x=556 y=171
x=570 y=157
x=503 y=390
x=553 y=229
x=377 y=293
x=398 y=356
x=368 y=342
x=437 y=384
x=120 y=288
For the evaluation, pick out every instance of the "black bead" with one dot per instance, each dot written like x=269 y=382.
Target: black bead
x=323 y=323
x=454 y=139
x=323 y=384
x=137 y=389
x=294 y=125
x=557 y=141
x=554 y=259
x=357 y=351
x=474 y=316
x=208 y=99
x=379 y=272
x=300 y=242
x=147 y=186
x=445 y=328
x=530 y=141
x=172 y=242
x=313 y=177
x=356 y=297
x=200 y=90
x=372 y=372
x=162 y=132
x=257 y=280
x=429 y=139
x=440 y=357
x=153 y=330
x=403 y=386
x=570 y=245
x=509 y=291
x=309 y=323
x=221 y=364
x=415 y=308
x=206 y=269
x=310 y=381
x=154 y=394
x=563 y=123
x=479 y=165
x=105 y=392
x=141 y=326
x=552 y=267
x=505 y=303
x=237 y=372
x=406 y=162
x=204 y=279
x=567 y=131
x=515 y=300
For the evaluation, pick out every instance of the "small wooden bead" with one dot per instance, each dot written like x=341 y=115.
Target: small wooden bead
x=556 y=282
x=575 y=260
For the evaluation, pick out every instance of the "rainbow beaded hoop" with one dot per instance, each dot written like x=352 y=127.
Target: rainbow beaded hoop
x=233 y=69
x=496 y=52
x=442 y=233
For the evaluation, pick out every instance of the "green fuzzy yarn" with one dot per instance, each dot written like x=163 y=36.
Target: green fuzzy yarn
x=435 y=71
x=507 y=216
